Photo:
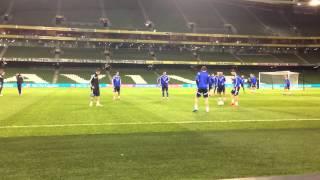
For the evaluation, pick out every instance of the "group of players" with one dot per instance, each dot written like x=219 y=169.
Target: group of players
x=207 y=85
x=19 y=79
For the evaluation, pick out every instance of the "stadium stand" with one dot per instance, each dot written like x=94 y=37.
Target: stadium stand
x=288 y=58
x=135 y=54
x=174 y=55
x=239 y=17
x=313 y=58
x=81 y=14
x=304 y=22
x=207 y=15
x=84 y=73
x=38 y=12
x=29 y=52
x=4 y=7
x=162 y=55
x=273 y=19
x=124 y=14
x=82 y=53
x=202 y=15
x=218 y=57
x=262 y=58
x=155 y=11
x=45 y=73
x=150 y=76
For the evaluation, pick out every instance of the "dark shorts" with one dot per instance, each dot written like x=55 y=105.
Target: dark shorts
x=221 y=89
x=116 y=89
x=253 y=85
x=95 y=92
x=165 y=88
x=287 y=87
x=202 y=92
x=235 y=91
x=1 y=84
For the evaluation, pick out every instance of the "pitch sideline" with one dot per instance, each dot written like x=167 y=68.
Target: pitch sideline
x=152 y=123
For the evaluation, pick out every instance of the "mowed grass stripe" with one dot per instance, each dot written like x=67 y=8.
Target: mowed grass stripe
x=154 y=123
x=46 y=112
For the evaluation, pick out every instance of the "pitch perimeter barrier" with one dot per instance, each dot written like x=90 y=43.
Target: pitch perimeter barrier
x=69 y=85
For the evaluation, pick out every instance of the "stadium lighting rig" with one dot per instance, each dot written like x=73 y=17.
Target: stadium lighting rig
x=149 y=24
x=314 y=3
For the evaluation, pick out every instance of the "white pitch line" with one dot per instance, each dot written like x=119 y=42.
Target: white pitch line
x=151 y=123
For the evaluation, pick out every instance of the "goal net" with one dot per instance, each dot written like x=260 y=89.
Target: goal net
x=277 y=79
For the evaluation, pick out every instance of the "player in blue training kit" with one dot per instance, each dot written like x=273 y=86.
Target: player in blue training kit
x=163 y=80
x=2 y=73
x=221 y=88
x=202 y=80
x=287 y=85
x=19 y=78
x=242 y=83
x=95 y=89
x=116 y=83
x=253 y=82
x=212 y=84
x=236 y=88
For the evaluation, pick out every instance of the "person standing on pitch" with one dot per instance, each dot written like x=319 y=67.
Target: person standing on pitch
x=2 y=73
x=287 y=85
x=253 y=82
x=242 y=82
x=236 y=89
x=19 y=83
x=221 y=88
x=116 y=83
x=212 y=84
x=202 y=80
x=95 y=89
x=164 y=82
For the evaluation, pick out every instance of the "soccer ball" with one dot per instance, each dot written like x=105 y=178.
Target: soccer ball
x=220 y=103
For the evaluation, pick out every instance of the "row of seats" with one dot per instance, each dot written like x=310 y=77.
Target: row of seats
x=176 y=55
x=167 y=15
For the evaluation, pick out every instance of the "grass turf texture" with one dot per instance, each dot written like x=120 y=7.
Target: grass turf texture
x=119 y=141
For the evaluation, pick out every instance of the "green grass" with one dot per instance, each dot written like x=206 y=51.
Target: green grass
x=145 y=137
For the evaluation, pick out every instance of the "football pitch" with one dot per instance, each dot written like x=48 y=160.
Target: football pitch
x=54 y=134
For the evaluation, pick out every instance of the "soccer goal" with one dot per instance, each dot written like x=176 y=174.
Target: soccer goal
x=276 y=79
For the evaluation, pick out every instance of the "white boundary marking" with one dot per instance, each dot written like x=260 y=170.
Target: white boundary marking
x=151 y=123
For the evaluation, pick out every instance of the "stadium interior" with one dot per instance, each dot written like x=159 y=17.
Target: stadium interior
x=65 y=41
x=267 y=22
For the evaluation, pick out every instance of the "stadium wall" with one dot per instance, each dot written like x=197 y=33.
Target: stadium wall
x=67 y=85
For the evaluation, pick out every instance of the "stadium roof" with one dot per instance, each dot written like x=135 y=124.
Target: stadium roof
x=281 y=1
x=274 y=1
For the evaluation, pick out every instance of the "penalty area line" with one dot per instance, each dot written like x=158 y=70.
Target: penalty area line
x=150 y=123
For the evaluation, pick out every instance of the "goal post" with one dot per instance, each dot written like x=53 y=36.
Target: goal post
x=275 y=80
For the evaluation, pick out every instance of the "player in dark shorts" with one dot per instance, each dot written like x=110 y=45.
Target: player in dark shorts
x=236 y=88
x=253 y=82
x=95 y=89
x=212 y=84
x=2 y=73
x=163 y=80
x=243 y=83
x=19 y=78
x=202 y=81
x=221 y=88
x=287 y=85
x=116 y=82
